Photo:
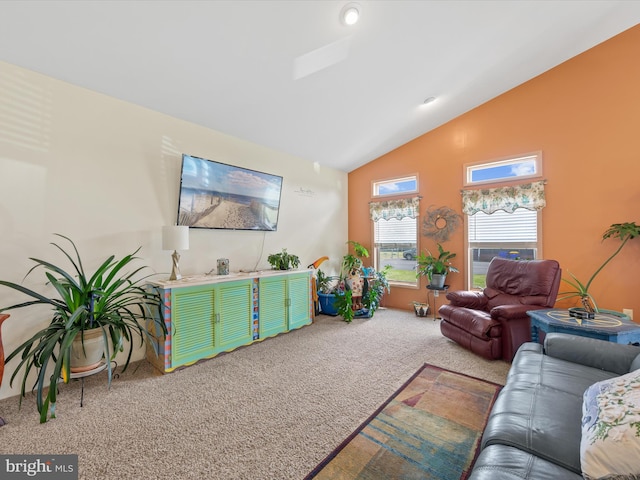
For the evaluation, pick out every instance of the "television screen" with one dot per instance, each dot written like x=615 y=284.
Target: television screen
x=217 y=195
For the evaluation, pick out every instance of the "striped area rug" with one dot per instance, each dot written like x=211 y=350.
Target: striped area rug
x=429 y=429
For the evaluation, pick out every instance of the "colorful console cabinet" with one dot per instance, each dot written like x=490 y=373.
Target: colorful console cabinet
x=208 y=315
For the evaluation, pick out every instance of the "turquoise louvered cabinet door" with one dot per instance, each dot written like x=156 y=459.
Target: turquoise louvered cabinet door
x=299 y=300
x=193 y=328
x=234 y=301
x=273 y=306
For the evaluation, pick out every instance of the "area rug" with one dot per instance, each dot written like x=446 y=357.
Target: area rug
x=429 y=429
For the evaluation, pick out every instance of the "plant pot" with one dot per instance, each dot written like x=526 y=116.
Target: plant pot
x=327 y=303
x=438 y=279
x=421 y=309
x=582 y=314
x=87 y=350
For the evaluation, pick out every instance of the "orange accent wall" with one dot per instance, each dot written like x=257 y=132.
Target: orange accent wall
x=584 y=115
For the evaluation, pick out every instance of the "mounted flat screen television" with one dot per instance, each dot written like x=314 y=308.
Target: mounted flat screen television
x=217 y=195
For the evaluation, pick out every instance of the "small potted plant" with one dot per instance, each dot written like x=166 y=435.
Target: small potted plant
x=110 y=305
x=622 y=231
x=435 y=268
x=283 y=260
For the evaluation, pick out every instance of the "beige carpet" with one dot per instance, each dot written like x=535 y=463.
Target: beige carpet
x=272 y=410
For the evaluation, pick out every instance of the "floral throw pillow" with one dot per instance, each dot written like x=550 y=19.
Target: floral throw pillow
x=610 y=444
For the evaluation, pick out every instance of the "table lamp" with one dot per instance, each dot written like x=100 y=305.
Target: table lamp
x=175 y=237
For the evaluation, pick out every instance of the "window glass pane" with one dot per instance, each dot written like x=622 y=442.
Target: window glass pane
x=396 y=186
x=395 y=243
x=507 y=235
x=513 y=168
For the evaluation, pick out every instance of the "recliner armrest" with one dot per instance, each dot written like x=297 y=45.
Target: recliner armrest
x=468 y=299
x=612 y=357
x=510 y=312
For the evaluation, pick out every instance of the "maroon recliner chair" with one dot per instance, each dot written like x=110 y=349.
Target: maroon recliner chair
x=493 y=322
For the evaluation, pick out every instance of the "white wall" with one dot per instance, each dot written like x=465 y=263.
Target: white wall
x=106 y=174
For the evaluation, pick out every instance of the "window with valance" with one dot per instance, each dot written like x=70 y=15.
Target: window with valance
x=502 y=221
x=395 y=237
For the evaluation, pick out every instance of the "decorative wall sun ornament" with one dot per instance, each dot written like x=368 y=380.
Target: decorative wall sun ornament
x=440 y=223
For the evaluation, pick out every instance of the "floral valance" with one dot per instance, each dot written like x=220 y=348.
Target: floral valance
x=398 y=209
x=489 y=200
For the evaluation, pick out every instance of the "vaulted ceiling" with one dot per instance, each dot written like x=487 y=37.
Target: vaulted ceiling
x=289 y=75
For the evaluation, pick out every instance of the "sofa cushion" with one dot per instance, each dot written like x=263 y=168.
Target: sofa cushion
x=600 y=354
x=500 y=462
x=531 y=366
x=539 y=410
x=610 y=445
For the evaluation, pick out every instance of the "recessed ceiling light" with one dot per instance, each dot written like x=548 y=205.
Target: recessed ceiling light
x=429 y=100
x=350 y=14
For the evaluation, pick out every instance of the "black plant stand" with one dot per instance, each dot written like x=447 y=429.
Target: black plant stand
x=82 y=375
x=435 y=291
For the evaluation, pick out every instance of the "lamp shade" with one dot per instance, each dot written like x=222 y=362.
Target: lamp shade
x=175 y=237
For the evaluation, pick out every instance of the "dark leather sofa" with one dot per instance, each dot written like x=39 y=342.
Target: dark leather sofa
x=534 y=428
x=493 y=322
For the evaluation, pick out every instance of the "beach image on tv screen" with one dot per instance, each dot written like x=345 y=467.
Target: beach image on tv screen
x=217 y=195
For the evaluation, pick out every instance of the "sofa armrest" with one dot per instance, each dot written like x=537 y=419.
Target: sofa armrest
x=468 y=299
x=612 y=357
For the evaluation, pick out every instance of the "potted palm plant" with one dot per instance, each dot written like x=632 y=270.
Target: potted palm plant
x=622 y=231
x=111 y=305
x=435 y=268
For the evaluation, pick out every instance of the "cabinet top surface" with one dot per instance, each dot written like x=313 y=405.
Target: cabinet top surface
x=191 y=280
x=602 y=322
